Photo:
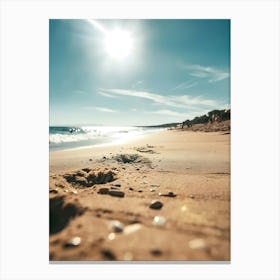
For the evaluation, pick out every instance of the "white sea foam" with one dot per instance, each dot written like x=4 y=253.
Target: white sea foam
x=73 y=137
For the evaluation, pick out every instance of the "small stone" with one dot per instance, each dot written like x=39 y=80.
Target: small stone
x=116 y=185
x=137 y=169
x=90 y=159
x=74 y=242
x=156 y=252
x=103 y=191
x=116 y=226
x=108 y=254
x=170 y=194
x=53 y=191
x=128 y=256
x=154 y=185
x=75 y=192
x=159 y=221
x=87 y=170
x=197 y=244
x=116 y=193
x=111 y=236
x=156 y=205
x=191 y=196
x=184 y=208
x=152 y=190
x=140 y=191
x=132 y=228
x=131 y=189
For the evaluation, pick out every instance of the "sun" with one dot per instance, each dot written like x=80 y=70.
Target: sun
x=118 y=44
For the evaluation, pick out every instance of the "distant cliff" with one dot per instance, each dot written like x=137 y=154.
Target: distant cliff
x=211 y=117
x=216 y=120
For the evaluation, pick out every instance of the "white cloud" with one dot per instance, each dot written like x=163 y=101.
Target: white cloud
x=182 y=101
x=106 y=94
x=185 y=85
x=101 y=109
x=193 y=101
x=179 y=116
x=169 y=113
x=205 y=72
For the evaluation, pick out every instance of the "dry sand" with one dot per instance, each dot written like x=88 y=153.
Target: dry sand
x=188 y=172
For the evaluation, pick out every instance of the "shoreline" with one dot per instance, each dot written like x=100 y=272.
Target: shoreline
x=188 y=172
x=117 y=141
x=108 y=144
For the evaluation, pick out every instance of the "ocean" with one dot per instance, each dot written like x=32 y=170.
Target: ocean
x=70 y=137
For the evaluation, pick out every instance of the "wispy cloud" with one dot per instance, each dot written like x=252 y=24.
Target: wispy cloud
x=107 y=94
x=212 y=74
x=179 y=116
x=182 y=101
x=169 y=113
x=185 y=85
x=101 y=109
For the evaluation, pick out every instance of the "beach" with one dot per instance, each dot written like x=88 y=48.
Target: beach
x=161 y=197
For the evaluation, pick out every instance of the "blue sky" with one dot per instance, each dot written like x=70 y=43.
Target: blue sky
x=151 y=72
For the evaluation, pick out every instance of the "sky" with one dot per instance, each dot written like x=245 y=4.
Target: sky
x=137 y=72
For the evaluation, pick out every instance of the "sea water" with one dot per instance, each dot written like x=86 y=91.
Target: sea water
x=71 y=137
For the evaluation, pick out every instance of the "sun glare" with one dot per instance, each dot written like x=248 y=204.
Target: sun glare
x=118 y=44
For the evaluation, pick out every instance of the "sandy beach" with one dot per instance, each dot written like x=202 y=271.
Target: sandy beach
x=164 y=196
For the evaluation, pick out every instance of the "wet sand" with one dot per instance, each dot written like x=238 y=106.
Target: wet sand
x=103 y=199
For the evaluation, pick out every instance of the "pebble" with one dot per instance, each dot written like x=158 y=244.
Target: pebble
x=156 y=252
x=103 y=191
x=197 y=243
x=90 y=159
x=107 y=253
x=116 y=193
x=156 y=205
x=191 y=196
x=140 y=191
x=111 y=236
x=75 y=241
x=184 y=208
x=152 y=190
x=170 y=194
x=131 y=189
x=116 y=185
x=154 y=185
x=159 y=221
x=116 y=225
x=53 y=191
x=132 y=228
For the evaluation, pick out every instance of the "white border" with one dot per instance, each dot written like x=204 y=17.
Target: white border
x=255 y=138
